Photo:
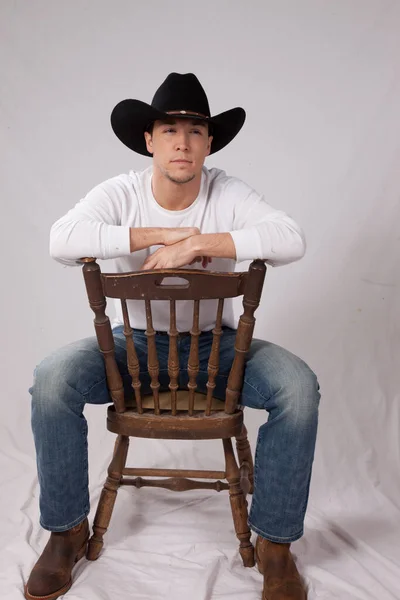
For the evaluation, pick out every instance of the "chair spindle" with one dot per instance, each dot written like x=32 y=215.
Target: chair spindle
x=152 y=359
x=133 y=362
x=213 y=361
x=173 y=359
x=193 y=363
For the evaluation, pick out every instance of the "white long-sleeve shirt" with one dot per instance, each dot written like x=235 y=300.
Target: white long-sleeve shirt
x=99 y=225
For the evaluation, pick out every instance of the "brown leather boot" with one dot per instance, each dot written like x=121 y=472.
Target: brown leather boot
x=281 y=578
x=51 y=575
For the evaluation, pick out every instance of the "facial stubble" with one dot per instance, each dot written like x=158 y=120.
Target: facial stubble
x=186 y=179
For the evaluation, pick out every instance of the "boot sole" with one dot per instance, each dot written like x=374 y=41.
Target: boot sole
x=65 y=587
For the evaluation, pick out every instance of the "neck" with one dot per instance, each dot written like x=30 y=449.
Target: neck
x=174 y=196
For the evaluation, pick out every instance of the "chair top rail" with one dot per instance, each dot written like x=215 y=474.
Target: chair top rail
x=153 y=285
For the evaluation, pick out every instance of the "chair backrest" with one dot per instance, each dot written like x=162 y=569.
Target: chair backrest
x=152 y=286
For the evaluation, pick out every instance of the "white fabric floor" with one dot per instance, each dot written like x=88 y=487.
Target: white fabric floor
x=164 y=545
x=321 y=85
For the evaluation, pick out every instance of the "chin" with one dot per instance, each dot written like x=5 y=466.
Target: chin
x=183 y=179
x=180 y=177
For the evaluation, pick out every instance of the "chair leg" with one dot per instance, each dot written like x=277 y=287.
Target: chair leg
x=238 y=505
x=107 y=497
x=245 y=462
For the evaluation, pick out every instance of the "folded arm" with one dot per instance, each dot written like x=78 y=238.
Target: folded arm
x=93 y=229
x=257 y=231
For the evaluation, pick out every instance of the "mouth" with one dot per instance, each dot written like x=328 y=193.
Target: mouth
x=181 y=161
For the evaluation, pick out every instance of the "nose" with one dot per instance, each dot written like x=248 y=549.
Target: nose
x=182 y=141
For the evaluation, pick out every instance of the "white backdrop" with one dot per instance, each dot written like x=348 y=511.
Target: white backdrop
x=320 y=82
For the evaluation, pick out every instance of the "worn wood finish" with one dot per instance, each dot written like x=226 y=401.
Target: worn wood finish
x=179 y=427
x=213 y=361
x=238 y=505
x=173 y=358
x=176 y=484
x=97 y=301
x=133 y=362
x=199 y=285
x=177 y=414
x=174 y=473
x=245 y=462
x=107 y=498
x=251 y=300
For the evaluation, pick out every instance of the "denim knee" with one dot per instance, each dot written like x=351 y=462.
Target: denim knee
x=280 y=382
x=298 y=397
x=67 y=375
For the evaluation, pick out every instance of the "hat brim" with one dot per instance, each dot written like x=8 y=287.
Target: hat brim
x=131 y=118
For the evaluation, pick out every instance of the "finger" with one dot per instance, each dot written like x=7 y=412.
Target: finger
x=148 y=265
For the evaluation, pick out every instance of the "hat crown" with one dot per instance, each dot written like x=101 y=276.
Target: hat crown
x=181 y=92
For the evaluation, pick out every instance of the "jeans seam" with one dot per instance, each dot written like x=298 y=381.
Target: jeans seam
x=256 y=390
x=67 y=526
x=277 y=538
x=87 y=392
x=85 y=462
x=256 y=467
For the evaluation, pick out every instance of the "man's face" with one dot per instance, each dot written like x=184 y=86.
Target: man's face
x=179 y=148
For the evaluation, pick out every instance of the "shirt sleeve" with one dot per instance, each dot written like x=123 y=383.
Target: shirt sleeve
x=261 y=231
x=93 y=227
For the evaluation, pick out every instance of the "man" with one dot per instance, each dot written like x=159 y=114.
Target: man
x=171 y=215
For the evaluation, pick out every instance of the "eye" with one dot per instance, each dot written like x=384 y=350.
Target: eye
x=197 y=131
x=169 y=130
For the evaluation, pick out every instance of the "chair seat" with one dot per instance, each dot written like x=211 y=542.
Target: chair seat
x=181 y=426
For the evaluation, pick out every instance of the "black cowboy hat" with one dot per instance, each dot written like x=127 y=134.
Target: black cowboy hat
x=178 y=96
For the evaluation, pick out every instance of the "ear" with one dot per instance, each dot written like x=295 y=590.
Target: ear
x=149 y=141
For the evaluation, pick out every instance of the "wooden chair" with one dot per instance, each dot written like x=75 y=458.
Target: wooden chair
x=177 y=414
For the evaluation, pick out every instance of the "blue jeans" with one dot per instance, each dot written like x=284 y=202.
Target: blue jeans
x=275 y=380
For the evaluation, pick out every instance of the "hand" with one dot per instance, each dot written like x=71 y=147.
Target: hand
x=205 y=260
x=175 y=256
x=173 y=235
